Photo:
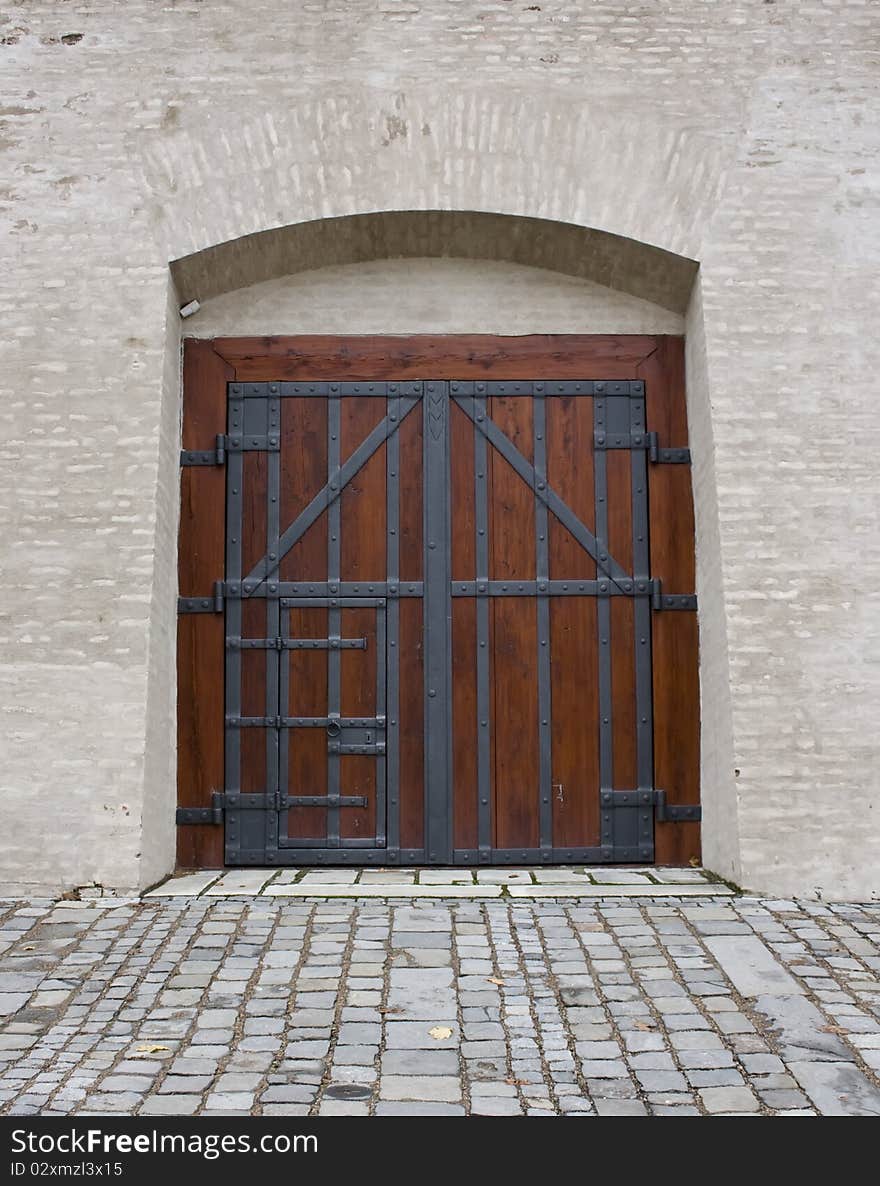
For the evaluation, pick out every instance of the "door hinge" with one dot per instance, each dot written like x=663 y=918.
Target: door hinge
x=203 y=815
x=642 y=440
x=203 y=605
x=664 y=812
x=661 y=600
x=231 y=444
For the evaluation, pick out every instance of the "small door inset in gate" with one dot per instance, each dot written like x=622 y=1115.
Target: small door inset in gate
x=332 y=736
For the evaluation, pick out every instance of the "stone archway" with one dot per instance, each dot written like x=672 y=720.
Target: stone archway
x=614 y=267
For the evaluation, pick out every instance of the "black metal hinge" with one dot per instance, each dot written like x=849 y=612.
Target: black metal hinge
x=661 y=600
x=642 y=440
x=203 y=815
x=230 y=444
x=203 y=605
x=664 y=812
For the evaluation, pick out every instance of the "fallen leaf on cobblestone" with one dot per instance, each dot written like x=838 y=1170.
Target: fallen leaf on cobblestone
x=151 y=1049
x=516 y=1082
x=495 y=980
x=643 y=1025
x=440 y=1033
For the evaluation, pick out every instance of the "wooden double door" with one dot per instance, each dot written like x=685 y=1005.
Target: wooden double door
x=436 y=603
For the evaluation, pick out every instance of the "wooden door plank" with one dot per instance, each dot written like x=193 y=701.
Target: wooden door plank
x=514 y=636
x=200 y=645
x=464 y=356
x=575 y=701
x=358 y=772
x=363 y=514
x=412 y=724
x=303 y=474
x=623 y=641
x=674 y=633
x=307 y=697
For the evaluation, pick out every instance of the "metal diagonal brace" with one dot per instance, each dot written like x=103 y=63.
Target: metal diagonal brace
x=544 y=491
x=332 y=490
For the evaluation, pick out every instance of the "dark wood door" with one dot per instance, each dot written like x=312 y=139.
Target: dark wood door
x=458 y=603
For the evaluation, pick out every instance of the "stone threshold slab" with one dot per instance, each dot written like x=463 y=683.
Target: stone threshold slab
x=263 y=883
x=319 y=890
x=709 y=890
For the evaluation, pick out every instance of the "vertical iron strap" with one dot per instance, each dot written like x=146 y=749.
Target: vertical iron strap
x=642 y=630
x=286 y=737
x=389 y=823
x=437 y=612
x=481 y=552
x=232 y=736
x=381 y=755
x=603 y=614
x=334 y=560
x=542 y=574
x=274 y=659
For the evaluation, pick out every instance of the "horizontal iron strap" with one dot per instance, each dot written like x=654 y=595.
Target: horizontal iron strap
x=248 y=802
x=323 y=857
x=601 y=387
x=545 y=856
x=236 y=722
x=665 y=812
x=324 y=589
x=323 y=801
x=559 y=588
x=327 y=390
x=336 y=747
x=330 y=591
x=297 y=644
x=360 y=842
x=633 y=387
x=575 y=588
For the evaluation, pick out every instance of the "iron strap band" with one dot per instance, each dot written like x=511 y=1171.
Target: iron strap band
x=297 y=644
x=632 y=387
x=557 y=588
x=280 y=722
x=232 y=801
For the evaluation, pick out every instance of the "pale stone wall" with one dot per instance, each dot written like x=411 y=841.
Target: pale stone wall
x=742 y=135
x=423 y=296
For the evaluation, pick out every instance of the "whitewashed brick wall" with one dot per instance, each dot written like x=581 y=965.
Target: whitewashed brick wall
x=744 y=135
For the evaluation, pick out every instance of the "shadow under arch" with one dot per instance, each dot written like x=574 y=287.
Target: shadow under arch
x=629 y=266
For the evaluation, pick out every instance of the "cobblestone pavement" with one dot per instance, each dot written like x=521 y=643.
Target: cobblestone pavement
x=615 y=1006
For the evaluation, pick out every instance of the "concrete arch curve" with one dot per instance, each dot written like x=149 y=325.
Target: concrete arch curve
x=639 y=269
